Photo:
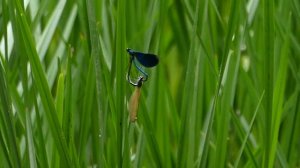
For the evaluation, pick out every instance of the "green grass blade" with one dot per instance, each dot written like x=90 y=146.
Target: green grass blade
x=40 y=141
x=187 y=110
x=42 y=85
x=45 y=39
x=96 y=53
x=8 y=133
x=85 y=118
x=149 y=133
x=30 y=142
x=268 y=60
x=119 y=70
x=60 y=98
x=248 y=132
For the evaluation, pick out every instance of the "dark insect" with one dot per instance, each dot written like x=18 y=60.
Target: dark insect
x=145 y=59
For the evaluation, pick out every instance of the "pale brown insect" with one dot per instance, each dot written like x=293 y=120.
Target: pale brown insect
x=134 y=101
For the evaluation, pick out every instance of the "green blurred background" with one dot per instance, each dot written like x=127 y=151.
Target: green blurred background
x=224 y=94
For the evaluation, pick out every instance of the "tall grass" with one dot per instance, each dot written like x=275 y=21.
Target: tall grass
x=224 y=94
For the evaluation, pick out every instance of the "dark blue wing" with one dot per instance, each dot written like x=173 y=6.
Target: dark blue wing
x=147 y=60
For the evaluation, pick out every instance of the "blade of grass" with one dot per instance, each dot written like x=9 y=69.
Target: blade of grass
x=41 y=84
x=95 y=55
x=150 y=136
x=227 y=83
x=68 y=115
x=85 y=119
x=293 y=151
x=226 y=102
x=268 y=61
x=59 y=54
x=185 y=148
x=60 y=98
x=237 y=160
x=278 y=100
x=119 y=69
x=45 y=39
x=8 y=133
x=39 y=140
x=30 y=142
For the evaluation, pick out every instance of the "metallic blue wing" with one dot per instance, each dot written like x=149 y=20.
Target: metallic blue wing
x=147 y=60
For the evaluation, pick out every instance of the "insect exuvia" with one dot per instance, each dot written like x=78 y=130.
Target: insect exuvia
x=146 y=60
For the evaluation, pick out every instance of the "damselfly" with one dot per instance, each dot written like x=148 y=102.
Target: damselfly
x=145 y=59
